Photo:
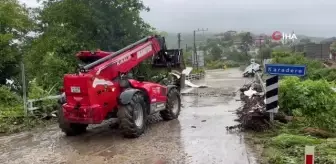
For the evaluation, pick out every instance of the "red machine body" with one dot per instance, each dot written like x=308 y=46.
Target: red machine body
x=93 y=94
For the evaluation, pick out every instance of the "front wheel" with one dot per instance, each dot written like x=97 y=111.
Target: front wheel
x=132 y=117
x=173 y=107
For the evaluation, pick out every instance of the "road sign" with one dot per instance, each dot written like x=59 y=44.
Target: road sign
x=272 y=86
x=309 y=154
x=285 y=69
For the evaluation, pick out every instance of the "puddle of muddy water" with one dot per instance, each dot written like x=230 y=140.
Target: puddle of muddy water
x=204 y=133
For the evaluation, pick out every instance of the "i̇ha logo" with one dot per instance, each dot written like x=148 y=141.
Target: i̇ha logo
x=283 y=37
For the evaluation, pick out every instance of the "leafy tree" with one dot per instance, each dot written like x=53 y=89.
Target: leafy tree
x=266 y=53
x=187 y=55
x=67 y=26
x=333 y=48
x=228 y=36
x=216 y=52
x=246 y=41
x=238 y=56
x=14 y=25
x=162 y=33
x=282 y=48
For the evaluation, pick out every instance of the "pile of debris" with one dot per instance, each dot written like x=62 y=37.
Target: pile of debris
x=252 y=115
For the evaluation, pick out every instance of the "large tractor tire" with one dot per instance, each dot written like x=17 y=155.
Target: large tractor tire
x=70 y=129
x=173 y=107
x=132 y=117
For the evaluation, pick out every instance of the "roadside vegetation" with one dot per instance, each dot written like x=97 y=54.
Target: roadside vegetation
x=309 y=103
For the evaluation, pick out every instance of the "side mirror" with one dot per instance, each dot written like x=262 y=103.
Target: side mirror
x=141 y=78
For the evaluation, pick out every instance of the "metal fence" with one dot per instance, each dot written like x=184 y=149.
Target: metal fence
x=31 y=104
x=196 y=76
x=314 y=51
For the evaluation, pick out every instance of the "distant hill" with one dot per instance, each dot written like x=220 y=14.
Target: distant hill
x=313 y=39
x=187 y=38
x=329 y=40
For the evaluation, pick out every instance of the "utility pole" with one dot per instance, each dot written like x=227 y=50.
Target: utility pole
x=194 y=56
x=24 y=88
x=179 y=40
x=261 y=55
x=195 y=49
x=186 y=47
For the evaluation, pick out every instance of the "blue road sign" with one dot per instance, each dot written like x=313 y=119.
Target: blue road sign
x=285 y=69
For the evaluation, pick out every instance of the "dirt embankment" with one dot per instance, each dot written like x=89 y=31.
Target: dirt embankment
x=252 y=115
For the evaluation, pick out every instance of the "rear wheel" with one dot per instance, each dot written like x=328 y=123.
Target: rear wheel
x=70 y=129
x=173 y=107
x=133 y=117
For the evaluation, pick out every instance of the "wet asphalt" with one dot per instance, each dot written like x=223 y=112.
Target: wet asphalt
x=198 y=136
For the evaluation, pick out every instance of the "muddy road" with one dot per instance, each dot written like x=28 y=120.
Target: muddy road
x=198 y=136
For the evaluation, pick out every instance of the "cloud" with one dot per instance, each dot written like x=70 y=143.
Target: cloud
x=309 y=17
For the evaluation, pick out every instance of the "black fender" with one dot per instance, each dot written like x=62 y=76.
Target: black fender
x=169 y=87
x=126 y=96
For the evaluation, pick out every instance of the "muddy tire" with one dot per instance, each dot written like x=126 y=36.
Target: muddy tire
x=70 y=129
x=132 y=117
x=173 y=107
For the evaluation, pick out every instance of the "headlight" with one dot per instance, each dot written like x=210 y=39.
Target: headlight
x=124 y=83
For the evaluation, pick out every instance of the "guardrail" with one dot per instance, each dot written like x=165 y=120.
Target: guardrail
x=196 y=76
x=32 y=102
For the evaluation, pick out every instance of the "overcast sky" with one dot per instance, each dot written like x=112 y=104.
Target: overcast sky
x=308 y=17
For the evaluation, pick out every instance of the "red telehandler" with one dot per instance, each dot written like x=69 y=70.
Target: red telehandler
x=103 y=89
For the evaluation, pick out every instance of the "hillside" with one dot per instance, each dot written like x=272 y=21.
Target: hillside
x=187 y=38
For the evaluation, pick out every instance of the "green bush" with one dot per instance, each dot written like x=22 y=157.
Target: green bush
x=231 y=64
x=328 y=74
x=10 y=109
x=296 y=58
x=8 y=98
x=315 y=68
x=217 y=64
x=12 y=116
x=289 y=140
x=313 y=100
x=195 y=71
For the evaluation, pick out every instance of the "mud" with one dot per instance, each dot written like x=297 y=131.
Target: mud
x=198 y=136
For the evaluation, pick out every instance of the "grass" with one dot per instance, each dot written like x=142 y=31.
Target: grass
x=9 y=125
x=286 y=146
x=13 y=120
